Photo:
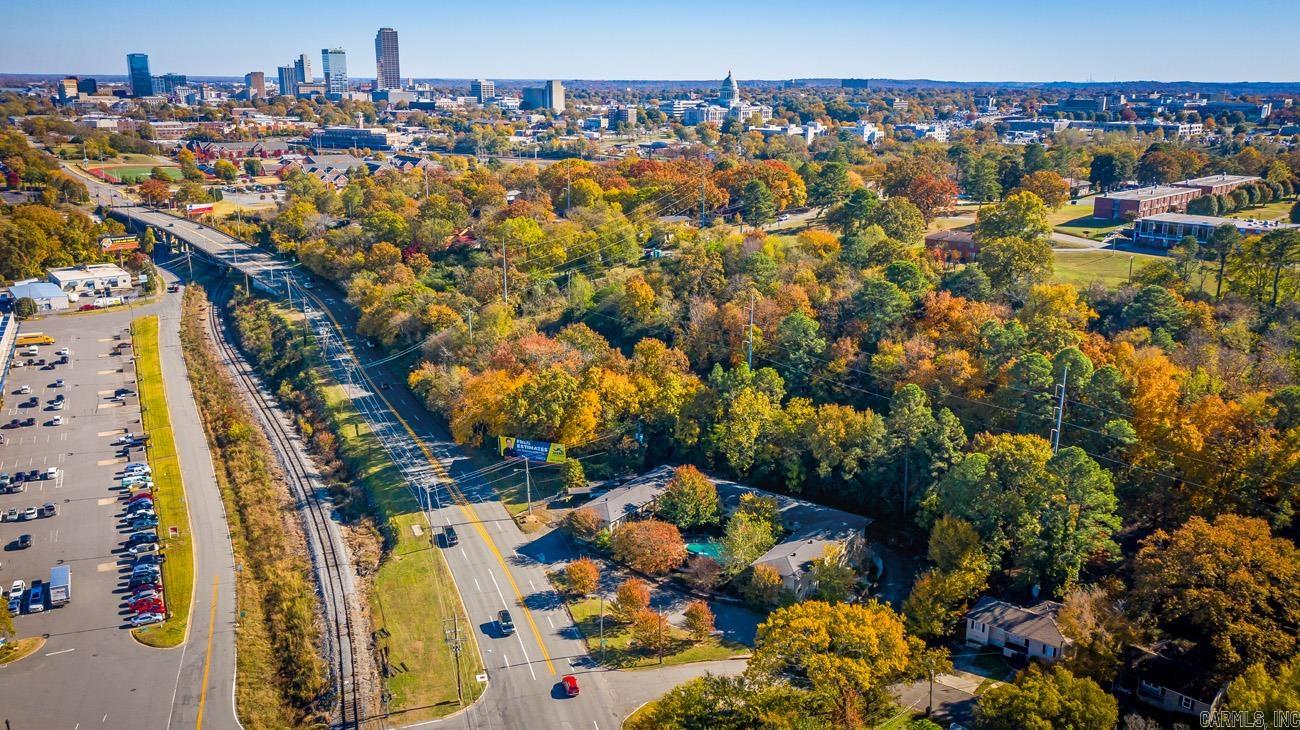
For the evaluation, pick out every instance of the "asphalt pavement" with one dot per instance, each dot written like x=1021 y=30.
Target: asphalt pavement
x=91 y=672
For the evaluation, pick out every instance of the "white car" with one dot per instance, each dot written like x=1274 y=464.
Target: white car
x=57 y=384
x=25 y=390
x=18 y=588
x=144 y=548
x=63 y=351
x=58 y=421
x=29 y=513
x=57 y=405
x=145 y=619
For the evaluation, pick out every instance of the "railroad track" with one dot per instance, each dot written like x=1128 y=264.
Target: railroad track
x=343 y=641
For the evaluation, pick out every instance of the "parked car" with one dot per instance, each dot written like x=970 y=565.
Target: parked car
x=57 y=405
x=49 y=509
x=57 y=421
x=57 y=384
x=146 y=591
x=16 y=605
x=18 y=478
x=24 y=542
x=143 y=548
x=145 y=619
x=172 y=288
x=11 y=514
x=63 y=351
x=17 y=588
x=52 y=473
x=29 y=514
x=145 y=581
x=36 y=598
x=147 y=605
x=140 y=521
x=24 y=390
x=137 y=496
x=29 y=421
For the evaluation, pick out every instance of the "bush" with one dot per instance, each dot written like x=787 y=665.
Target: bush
x=582 y=523
x=703 y=572
x=25 y=307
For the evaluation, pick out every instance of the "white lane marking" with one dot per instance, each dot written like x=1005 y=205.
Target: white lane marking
x=530 y=585
x=61 y=651
x=548 y=621
x=526 y=659
x=477 y=587
x=498 y=586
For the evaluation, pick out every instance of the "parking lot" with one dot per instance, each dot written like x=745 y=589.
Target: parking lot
x=87 y=529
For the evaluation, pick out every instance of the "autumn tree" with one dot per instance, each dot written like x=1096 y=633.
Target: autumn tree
x=1021 y=216
x=745 y=539
x=226 y=170
x=699 y=620
x=1015 y=264
x=832 y=576
x=690 y=500
x=154 y=192
x=1046 y=699
x=575 y=477
x=631 y=597
x=1231 y=580
x=650 y=631
x=583 y=576
x=1049 y=186
x=846 y=654
x=1093 y=618
x=649 y=546
x=762 y=586
x=1261 y=690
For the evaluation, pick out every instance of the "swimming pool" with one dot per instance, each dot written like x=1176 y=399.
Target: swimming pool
x=711 y=549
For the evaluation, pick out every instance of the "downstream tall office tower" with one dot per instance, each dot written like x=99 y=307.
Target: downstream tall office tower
x=334 y=62
x=302 y=69
x=388 y=74
x=288 y=80
x=137 y=70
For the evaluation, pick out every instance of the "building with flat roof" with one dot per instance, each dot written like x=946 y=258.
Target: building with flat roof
x=388 y=73
x=8 y=337
x=1167 y=229
x=1143 y=202
x=91 y=278
x=302 y=69
x=1217 y=184
x=287 y=80
x=482 y=90
x=334 y=63
x=255 y=84
x=549 y=96
x=137 y=72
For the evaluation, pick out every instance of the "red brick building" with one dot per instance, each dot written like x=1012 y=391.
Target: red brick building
x=1142 y=202
x=952 y=246
x=1217 y=184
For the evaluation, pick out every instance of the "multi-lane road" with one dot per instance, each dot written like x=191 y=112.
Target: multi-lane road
x=495 y=565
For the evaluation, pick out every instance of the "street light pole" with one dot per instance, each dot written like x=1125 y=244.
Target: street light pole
x=528 y=486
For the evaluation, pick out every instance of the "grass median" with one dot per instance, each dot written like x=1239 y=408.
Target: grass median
x=414 y=596
x=169 y=489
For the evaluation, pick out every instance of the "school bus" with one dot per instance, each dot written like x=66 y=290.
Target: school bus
x=34 y=338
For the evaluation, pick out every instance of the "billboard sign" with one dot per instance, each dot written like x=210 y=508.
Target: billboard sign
x=109 y=244
x=198 y=208
x=531 y=450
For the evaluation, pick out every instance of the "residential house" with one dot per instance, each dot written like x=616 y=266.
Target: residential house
x=1030 y=632
x=1172 y=676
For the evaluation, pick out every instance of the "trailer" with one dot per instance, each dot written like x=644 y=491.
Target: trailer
x=60 y=585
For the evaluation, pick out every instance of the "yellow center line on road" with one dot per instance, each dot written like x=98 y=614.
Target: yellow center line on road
x=461 y=501
x=207 y=659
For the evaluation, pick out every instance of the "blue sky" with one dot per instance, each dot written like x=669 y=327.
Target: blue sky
x=962 y=40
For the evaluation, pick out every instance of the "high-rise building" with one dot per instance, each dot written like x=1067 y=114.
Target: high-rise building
x=168 y=83
x=548 y=96
x=287 y=77
x=68 y=89
x=87 y=86
x=302 y=69
x=255 y=84
x=482 y=90
x=334 y=64
x=137 y=71
x=388 y=74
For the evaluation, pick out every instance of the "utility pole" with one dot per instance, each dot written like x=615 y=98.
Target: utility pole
x=455 y=641
x=528 y=486
x=661 y=638
x=469 y=315
x=749 y=359
x=1060 y=410
x=701 y=202
x=602 y=627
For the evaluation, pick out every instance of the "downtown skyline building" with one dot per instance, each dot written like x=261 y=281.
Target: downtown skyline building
x=255 y=84
x=287 y=79
x=334 y=64
x=302 y=69
x=388 y=72
x=137 y=72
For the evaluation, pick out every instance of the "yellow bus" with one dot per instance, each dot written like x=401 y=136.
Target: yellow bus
x=34 y=338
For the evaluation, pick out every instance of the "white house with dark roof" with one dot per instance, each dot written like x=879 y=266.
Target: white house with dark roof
x=812 y=530
x=1172 y=675
x=1028 y=632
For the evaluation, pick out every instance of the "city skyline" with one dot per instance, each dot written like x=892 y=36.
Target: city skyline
x=942 y=40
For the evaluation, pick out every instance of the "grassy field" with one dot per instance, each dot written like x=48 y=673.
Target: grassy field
x=169 y=490
x=1267 y=212
x=618 y=641
x=414 y=593
x=225 y=208
x=123 y=172
x=1109 y=267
